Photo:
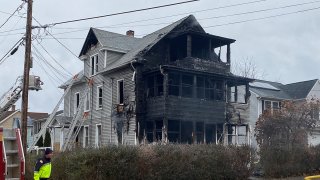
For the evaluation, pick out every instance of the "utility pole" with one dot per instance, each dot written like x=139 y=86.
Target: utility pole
x=24 y=115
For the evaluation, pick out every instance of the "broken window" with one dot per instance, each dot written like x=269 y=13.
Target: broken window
x=94 y=64
x=159 y=85
x=173 y=131
x=149 y=131
x=186 y=132
x=187 y=86
x=150 y=85
x=209 y=89
x=76 y=101
x=219 y=90
x=200 y=88
x=210 y=133
x=200 y=132
x=159 y=125
x=120 y=92
x=174 y=84
x=155 y=85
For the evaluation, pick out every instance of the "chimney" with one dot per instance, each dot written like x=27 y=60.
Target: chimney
x=130 y=33
x=13 y=108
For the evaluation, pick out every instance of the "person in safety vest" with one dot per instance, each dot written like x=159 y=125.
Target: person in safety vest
x=42 y=169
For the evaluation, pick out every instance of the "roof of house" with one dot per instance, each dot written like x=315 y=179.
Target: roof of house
x=6 y=114
x=275 y=90
x=299 y=90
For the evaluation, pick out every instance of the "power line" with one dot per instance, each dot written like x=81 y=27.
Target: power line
x=115 y=14
x=215 y=17
x=18 y=9
x=262 y=18
x=54 y=59
x=11 y=51
x=191 y=12
x=225 y=24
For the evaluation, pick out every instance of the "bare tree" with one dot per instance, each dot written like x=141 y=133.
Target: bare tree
x=247 y=68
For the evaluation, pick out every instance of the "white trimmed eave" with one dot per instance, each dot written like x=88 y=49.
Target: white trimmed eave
x=106 y=48
x=5 y=119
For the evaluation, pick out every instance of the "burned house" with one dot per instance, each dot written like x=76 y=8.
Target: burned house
x=173 y=85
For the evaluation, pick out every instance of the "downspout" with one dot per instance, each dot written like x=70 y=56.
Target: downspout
x=111 y=110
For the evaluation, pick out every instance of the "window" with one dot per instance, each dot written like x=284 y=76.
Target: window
x=94 y=64
x=155 y=85
x=87 y=102
x=99 y=97
x=76 y=101
x=174 y=84
x=209 y=89
x=200 y=88
x=272 y=105
x=187 y=86
x=200 y=132
x=238 y=134
x=85 y=136
x=173 y=131
x=98 y=135
x=120 y=89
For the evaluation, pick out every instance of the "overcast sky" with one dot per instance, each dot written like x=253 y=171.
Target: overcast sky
x=285 y=48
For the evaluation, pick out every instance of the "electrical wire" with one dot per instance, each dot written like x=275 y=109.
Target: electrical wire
x=54 y=59
x=18 y=9
x=174 y=15
x=41 y=57
x=115 y=14
x=16 y=45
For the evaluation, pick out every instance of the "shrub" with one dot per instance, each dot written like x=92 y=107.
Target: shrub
x=154 y=162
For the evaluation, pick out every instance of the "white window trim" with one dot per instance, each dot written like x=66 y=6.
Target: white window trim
x=84 y=136
x=75 y=102
x=271 y=104
x=96 y=137
x=87 y=98
x=105 y=58
x=94 y=64
x=97 y=105
x=118 y=94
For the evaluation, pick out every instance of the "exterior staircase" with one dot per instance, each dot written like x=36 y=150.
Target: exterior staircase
x=13 y=165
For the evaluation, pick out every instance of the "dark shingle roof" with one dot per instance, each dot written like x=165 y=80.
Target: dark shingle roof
x=299 y=90
x=270 y=93
x=115 y=40
x=146 y=43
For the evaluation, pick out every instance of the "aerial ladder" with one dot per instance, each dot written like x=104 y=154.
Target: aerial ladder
x=50 y=119
x=13 y=95
x=12 y=164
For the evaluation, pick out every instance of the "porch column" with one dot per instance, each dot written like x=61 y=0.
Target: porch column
x=228 y=54
x=165 y=113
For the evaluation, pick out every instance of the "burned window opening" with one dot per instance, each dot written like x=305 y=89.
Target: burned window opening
x=178 y=48
x=187 y=86
x=155 y=85
x=200 y=132
x=187 y=132
x=120 y=92
x=174 y=131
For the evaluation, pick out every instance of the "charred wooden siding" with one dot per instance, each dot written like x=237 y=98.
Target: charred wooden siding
x=129 y=95
x=187 y=109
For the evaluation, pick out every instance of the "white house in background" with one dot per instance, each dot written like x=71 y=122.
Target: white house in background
x=267 y=94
